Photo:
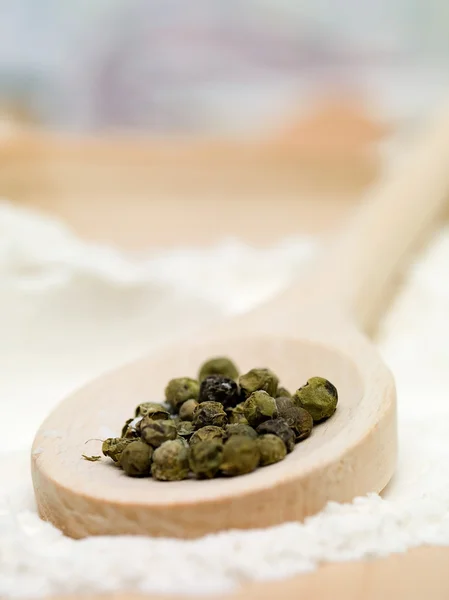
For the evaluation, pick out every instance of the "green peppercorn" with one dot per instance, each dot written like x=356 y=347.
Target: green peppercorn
x=280 y=428
x=258 y=379
x=260 y=407
x=171 y=461
x=297 y=418
x=181 y=389
x=113 y=447
x=218 y=366
x=205 y=458
x=154 y=410
x=241 y=429
x=135 y=459
x=210 y=432
x=318 y=397
x=131 y=428
x=156 y=433
x=283 y=403
x=209 y=413
x=240 y=455
x=186 y=410
x=182 y=440
x=185 y=428
x=283 y=393
x=237 y=414
x=272 y=449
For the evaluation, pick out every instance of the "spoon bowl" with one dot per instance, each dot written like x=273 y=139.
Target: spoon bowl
x=313 y=329
x=350 y=454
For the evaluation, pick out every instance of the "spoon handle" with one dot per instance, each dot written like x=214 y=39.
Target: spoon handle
x=355 y=272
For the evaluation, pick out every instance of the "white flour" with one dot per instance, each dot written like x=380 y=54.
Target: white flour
x=69 y=310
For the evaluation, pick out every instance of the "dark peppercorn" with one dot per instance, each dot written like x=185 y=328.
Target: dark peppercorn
x=297 y=418
x=280 y=428
x=216 y=388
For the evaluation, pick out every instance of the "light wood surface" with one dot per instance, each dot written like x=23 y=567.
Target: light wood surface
x=311 y=330
x=153 y=193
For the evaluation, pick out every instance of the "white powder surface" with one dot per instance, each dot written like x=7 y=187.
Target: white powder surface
x=69 y=310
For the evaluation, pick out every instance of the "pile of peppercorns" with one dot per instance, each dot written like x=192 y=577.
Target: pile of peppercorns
x=221 y=424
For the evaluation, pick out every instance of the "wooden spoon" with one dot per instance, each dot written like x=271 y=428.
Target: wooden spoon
x=313 y=329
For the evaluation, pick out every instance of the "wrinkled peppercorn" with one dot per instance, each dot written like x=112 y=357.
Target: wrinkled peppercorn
x=318 y=397
x=205 y=458
x=258 y=379
x=113 y=447
x=210 y=432
x=185 y=428
x=156 y=433
x=171 y=461
x=131 y=428
x=237 y=414
x=297 y=418
x=216 y=388
x=155 y=410
x=260 y=407
x=180 y=390
x=209 y=413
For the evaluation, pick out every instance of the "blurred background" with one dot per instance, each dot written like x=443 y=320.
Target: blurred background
x=245 y=100
x=133 y=133
x=171 y=66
